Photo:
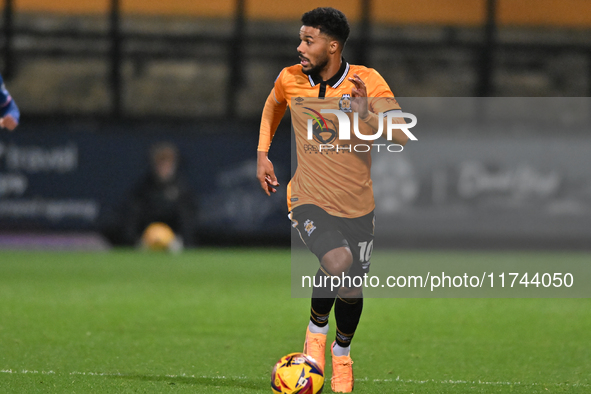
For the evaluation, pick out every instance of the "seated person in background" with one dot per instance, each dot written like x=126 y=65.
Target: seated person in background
x=162 y=197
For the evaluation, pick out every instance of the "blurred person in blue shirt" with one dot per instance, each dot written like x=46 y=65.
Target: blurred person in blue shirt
x=9 y=113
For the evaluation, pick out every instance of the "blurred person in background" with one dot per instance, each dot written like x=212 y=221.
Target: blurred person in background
x=9 y=113
x=161 y=197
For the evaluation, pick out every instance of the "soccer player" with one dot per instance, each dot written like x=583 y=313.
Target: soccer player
x=330 y=197
x=9 y=113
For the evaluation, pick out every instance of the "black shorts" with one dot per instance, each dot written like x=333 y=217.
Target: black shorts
x=322 y=232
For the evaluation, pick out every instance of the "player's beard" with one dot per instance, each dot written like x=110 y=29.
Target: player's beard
x=316 y=68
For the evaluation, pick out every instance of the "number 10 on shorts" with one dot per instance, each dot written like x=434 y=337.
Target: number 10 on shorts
x=365 y=250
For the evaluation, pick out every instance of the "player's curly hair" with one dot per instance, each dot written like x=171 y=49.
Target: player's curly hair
x=329 y=21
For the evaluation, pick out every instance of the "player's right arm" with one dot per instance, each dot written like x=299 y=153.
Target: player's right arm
x=273 y=112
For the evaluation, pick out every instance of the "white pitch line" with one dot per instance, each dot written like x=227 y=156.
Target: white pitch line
x=398 y=379
x=35 y=372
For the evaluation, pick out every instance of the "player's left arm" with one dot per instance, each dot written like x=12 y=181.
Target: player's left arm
x=372 y=96
x=9 y=113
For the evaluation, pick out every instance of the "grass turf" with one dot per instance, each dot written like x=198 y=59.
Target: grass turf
x=215 y=321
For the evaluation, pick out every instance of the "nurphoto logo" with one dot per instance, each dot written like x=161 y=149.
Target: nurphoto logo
x=318 y=126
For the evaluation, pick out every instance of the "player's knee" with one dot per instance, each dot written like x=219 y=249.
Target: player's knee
x=337 y=261
x=350 y=294
x=326 y=242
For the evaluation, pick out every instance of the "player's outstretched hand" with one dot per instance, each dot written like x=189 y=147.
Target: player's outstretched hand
x=266 y=173
x=8 y=122
x=359 y=95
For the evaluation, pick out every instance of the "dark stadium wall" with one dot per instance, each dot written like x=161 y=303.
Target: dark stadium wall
x=75 y=178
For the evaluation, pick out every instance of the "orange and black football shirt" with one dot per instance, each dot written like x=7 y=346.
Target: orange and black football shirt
x=337 y=181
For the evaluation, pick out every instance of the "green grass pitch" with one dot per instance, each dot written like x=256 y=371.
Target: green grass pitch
x=215 y=321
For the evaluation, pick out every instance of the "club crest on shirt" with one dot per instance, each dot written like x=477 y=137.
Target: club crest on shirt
x=345 y=103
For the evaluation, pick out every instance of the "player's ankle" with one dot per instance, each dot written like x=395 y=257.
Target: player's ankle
x=314 y=329
x=339 y=350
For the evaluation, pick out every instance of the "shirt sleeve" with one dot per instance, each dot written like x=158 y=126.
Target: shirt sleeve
x=381 y=97
x=7 y=104
x=4 y=95
x=273 y=112
x=278 y=90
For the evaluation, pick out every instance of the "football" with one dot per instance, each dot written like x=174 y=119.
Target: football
x=157 y=236
x=297 y=373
